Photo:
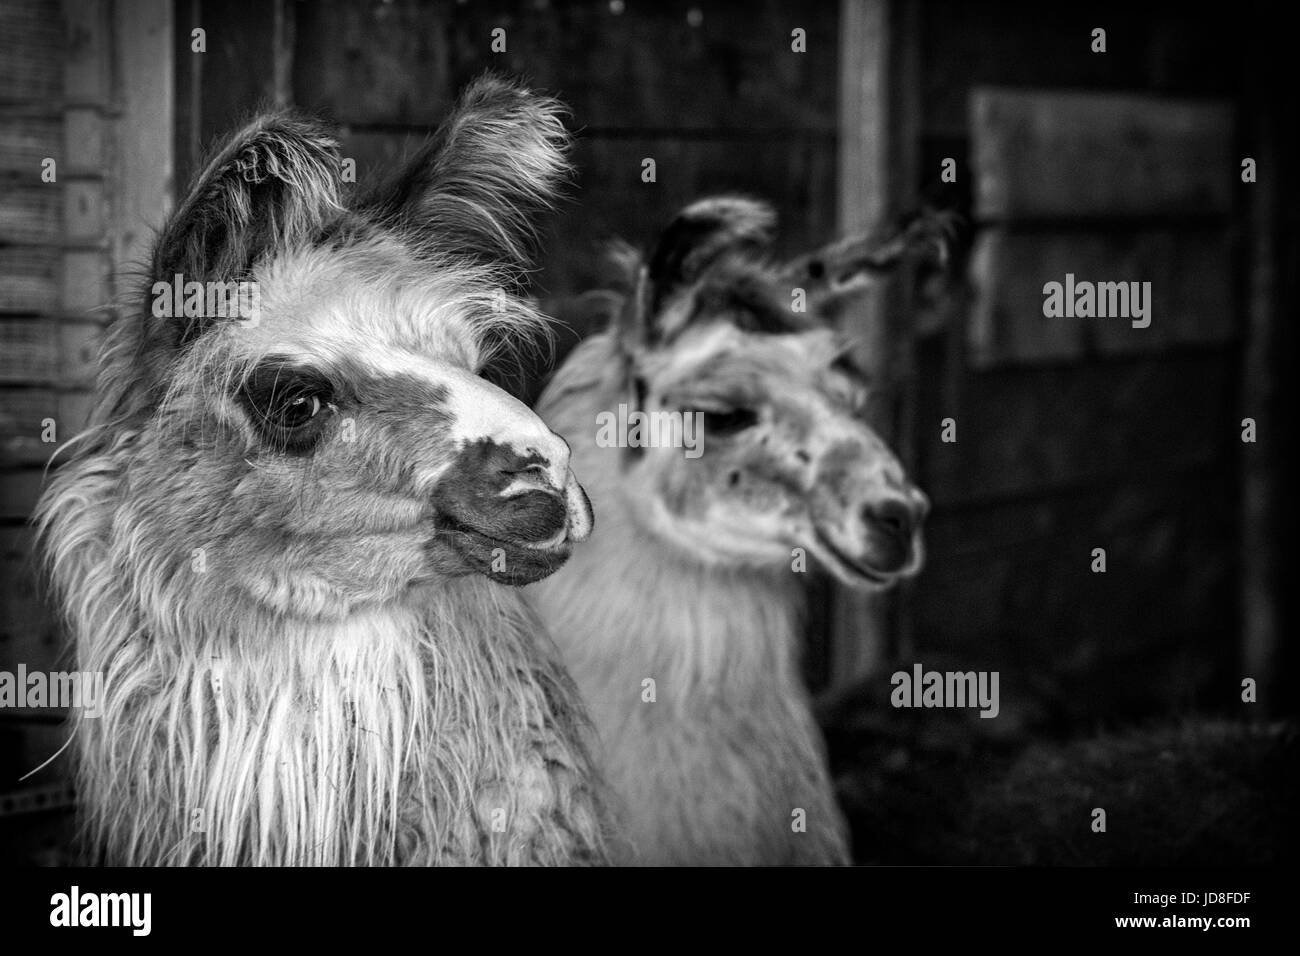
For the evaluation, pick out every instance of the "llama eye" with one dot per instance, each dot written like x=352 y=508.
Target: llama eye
x=299 y=410
x=285 y=405
x=729 y=422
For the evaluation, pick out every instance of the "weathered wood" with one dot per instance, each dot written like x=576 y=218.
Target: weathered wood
x=31 y=44
x=1191 y=290
x=30 y=212
x=49 y=352
x=866 y=179
x=1095 y=423
x=23 y=413
x=88 y=63
x=143 y=171
x=404 y=62
x=1040 y=154
x=29 y=278
x=26 y=632
x=25 y=142
x=84 y=281
x=19 y=489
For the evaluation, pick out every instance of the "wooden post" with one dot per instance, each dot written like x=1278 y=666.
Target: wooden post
x=878 y=106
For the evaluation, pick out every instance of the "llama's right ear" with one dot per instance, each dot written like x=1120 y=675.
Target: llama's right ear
x=474 y=190
x=699 y=236
x=272 y=185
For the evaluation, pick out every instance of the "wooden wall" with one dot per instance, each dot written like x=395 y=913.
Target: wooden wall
x=1075 y=434
x=86 y=85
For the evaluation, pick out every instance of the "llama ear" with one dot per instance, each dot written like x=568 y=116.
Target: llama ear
x=700 y=235
x=838 y=271
x=474 y=190
x=273 y=184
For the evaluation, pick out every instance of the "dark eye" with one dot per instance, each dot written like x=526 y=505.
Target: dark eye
x=731 y=421
x=286 y=405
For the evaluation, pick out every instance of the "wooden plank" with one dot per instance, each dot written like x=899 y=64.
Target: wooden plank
x=19 y=491
x=84 y=281
x=1001 y=587
x=84 y=149
x=859 y=638
x=1092 y=424
x=31 y=47
x=731 y=65
x=23 y=413
x=87 y=66
x=1015 y=43
x=144 y=172
x=1052 y=155
x=25 y=142
x=30 y=212
x=29 y=278
x=49 y=352
x=1191 y=291
x=26 y=631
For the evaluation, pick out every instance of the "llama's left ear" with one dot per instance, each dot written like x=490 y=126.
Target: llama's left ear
x=702 y=234
x=841 y=270
x=272 y=185
x=473 y=192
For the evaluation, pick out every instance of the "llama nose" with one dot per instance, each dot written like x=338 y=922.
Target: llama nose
x=893 y=517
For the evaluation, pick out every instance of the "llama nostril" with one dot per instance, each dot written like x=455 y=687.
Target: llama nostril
x=892 y=517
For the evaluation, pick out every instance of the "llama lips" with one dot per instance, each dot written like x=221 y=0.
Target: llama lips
x=458 y=548
x=854 y=568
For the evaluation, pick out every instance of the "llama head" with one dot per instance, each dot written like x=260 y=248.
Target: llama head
x=338 y=444
x=787 y=460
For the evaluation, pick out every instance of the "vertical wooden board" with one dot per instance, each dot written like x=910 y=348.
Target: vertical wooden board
x=1006 y=324
x=85 y=210
x=1040 y=154
x=78 y=357
x=860 y=620
x=143 y=173
x=87 y=68
x=84 y=281
x=83 y=147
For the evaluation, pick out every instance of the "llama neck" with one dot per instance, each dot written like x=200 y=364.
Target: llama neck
x=628 y=602
x=629 y=605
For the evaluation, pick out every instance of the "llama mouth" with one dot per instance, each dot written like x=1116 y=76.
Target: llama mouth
x=852 y=568
x=500 y=559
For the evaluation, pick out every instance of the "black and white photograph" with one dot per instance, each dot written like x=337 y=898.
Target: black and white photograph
x=686 y=434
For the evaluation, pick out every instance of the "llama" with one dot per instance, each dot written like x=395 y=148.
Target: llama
x=286 y=539
x=688 y=582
